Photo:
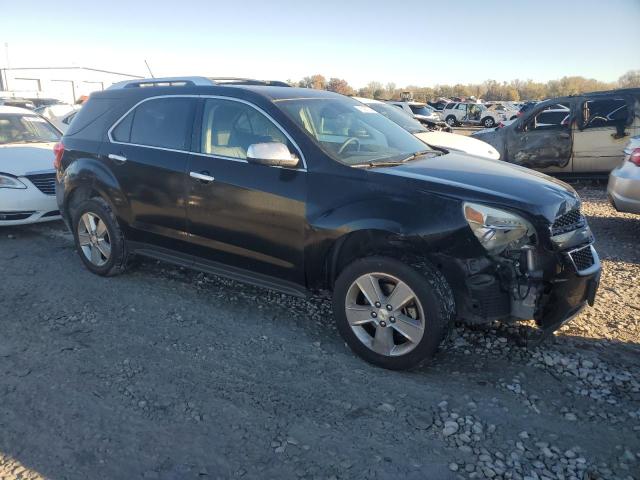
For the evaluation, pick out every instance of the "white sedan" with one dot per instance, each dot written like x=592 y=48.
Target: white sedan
x=59 y=115
x=27 y=177
x=448 y=141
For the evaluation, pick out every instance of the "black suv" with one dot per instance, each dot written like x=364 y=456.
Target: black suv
x=301 y=190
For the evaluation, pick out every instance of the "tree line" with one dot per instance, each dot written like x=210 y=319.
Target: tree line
x=488 y=90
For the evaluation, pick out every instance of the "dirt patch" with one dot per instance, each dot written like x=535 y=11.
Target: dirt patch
x=171 y=374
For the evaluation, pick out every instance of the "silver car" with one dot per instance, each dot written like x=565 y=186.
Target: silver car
x=624 y=180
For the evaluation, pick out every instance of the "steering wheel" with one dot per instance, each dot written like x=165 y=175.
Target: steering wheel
x=348 y=142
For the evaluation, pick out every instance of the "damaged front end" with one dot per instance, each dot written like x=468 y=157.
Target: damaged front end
x=547 y=274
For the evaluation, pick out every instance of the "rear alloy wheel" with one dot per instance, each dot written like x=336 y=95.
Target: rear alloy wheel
x=93 y=239
x=98 y=237
x=451 y=121
x=488 y=122
x=391 y=314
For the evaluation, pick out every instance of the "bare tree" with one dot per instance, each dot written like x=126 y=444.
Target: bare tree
x=630 y=79
x=316 y=81
x=339 y=85
x=488 y=90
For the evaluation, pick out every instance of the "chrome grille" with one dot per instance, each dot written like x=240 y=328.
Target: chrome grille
x=582 y=258
x=568 y=222
x=46 y=182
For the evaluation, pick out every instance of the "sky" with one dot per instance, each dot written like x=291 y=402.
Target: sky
x=414 y=42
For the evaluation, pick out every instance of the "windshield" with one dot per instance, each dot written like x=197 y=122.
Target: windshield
x=350 y=132
x=421 y=110
x=398 y=116
x=17 y=128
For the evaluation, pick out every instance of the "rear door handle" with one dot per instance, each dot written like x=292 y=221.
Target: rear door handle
x=202 y=177
x=117 y=158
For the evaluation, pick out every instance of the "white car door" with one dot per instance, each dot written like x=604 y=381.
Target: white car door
x=603 y=132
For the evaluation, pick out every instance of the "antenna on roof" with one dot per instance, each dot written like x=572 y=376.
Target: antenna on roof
x=148 y=68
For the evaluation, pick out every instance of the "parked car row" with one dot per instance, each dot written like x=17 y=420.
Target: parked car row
x=438 y=139
x=422 y=113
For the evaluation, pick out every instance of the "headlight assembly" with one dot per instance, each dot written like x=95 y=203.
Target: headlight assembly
x=7 y=181
x=497 y=229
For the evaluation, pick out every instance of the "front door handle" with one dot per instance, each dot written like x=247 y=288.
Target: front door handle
x=203 y=177
x=117 y=158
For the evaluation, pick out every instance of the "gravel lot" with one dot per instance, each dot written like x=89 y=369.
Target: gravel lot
x=170 y=374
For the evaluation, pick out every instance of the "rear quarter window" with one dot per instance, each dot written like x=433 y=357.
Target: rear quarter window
x=91 y=111
x=161 y=122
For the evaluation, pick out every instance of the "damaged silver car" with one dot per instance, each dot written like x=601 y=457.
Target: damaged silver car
x=583 y=134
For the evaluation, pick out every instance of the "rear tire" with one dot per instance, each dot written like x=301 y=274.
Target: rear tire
x=488 y=122
x=406 y=328
x=98 y=237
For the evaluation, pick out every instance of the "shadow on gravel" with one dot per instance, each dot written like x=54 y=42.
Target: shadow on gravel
x=617 y=237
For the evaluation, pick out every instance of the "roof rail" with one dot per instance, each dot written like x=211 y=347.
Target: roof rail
x=248 y=81
x=163 y=82
x=193 y=82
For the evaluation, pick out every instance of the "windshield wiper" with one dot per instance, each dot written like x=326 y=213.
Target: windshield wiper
x=388 y=163
x=413 y=156
x=376 y=164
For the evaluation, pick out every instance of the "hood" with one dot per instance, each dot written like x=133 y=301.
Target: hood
x=454 y=141
x=18 y=159
x=430 y=118
x=490 y=181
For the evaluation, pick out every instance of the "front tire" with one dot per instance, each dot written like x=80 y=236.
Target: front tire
x=98 y=238
x=451 y=121
x=391 y=314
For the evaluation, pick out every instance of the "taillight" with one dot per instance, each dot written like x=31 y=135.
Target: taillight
x=519 y=114
x=635 y=157
x=58 y=151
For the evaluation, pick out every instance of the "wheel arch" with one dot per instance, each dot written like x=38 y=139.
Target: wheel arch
x=87 y=178
x=368 y=242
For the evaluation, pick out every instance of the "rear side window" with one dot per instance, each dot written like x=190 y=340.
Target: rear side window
x=608 y=112
x=161 y=122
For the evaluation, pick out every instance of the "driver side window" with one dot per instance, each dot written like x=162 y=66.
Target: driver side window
x=229 y=128
x=553 y=117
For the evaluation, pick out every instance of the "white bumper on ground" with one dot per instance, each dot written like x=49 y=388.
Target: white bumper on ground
x=26 y=205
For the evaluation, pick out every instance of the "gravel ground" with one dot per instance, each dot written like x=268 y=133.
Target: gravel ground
x=170 y=374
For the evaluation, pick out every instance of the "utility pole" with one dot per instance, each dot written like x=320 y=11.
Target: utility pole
x=4 y=82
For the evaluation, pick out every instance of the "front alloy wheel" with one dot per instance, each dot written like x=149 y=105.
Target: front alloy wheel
x=392 y=314
x=93 y=239
x=385 y=314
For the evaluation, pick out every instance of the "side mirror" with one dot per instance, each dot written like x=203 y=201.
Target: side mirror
x=274 y=154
